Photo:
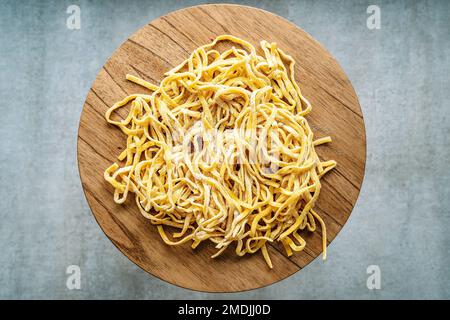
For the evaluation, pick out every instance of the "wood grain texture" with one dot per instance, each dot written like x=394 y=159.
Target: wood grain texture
x=163 y=44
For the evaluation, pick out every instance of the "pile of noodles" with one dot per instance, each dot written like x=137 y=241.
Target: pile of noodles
x=221 y=150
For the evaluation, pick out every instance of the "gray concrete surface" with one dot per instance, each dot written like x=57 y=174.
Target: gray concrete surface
x=400 y=223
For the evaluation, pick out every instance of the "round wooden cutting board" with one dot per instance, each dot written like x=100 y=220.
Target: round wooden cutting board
x=156 y=48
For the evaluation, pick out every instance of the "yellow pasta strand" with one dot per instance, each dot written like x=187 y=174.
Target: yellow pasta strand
x=221 y=151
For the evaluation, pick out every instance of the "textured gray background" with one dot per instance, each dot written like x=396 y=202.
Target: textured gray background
x=401 y=220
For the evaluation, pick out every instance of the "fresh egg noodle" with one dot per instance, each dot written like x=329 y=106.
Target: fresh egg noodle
x=255 y=185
